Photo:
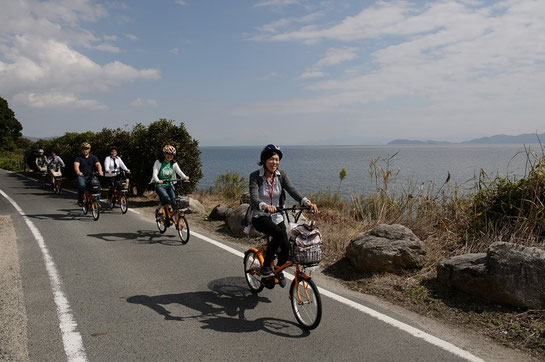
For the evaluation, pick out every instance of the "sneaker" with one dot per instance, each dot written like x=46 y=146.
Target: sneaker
x=281 y=280
x=266 y=272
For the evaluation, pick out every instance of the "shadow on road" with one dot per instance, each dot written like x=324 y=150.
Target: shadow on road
x=141 y=236
x=222 y=309
x=64 y=215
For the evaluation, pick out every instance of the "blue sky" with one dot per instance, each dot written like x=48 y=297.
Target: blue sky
x=277 y=71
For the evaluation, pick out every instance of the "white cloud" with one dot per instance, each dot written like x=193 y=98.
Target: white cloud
x=52 y=100
x=139 y=102
x=460 y=60
x=131 y=37
x=332 y=57
x=105 y=47
x=269 y=76
x=312 y=74
x=182 y=2
x=277 y=2
x=175 y=51
x=39 y=66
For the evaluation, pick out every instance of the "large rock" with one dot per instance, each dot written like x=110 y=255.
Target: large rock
x=195 y=207
x=219 y=213
x=386 y=248
x=507 y=274
x=234 y=222
x=465 y=272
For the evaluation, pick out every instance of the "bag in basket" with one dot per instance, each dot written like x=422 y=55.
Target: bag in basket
x=306 y=242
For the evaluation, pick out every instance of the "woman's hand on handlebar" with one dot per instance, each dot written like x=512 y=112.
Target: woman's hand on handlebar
x=271 y=209
x=186 y=179
x=313 y=207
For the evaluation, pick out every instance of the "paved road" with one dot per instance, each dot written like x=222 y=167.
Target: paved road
x=134 y=294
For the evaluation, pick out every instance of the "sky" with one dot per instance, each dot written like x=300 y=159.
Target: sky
x=288 y=72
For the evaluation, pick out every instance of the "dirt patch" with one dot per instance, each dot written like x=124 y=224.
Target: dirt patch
x=13 y=334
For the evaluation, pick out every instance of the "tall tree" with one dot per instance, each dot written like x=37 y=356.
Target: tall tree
x=10 y=128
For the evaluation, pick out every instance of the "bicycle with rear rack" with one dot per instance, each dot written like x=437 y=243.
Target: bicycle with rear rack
x=91 y=196
x=42 y=177
x=165 y=216
x=119 y=195
x=56 y=178
x=305 y=299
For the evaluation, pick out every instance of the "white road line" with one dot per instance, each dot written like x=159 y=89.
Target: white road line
x=71 y=338
x=371 y=312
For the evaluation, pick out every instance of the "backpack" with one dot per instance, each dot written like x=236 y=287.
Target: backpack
x=306 y=244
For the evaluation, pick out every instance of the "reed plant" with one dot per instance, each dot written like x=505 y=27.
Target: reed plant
x=230 y=186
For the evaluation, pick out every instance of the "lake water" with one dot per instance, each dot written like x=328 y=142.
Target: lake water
x=316 y=168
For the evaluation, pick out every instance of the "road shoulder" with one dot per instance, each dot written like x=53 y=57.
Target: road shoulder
x=13 y=334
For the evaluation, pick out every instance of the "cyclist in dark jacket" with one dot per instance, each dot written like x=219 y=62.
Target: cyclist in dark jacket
x=268 y=186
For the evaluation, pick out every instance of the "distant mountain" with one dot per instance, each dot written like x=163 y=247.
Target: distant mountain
x=417 y=142
x=526 y=138
x=502 y=138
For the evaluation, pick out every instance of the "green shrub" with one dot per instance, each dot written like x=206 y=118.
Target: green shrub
x=509 y=204
x=230 y=186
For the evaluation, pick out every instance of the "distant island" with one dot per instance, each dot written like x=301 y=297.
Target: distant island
x=500 y=138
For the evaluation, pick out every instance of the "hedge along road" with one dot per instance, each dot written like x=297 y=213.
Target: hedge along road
x=116 y=289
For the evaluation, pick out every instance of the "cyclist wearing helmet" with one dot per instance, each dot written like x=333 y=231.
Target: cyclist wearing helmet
x=164 y=172
x=41 y=160
x=84 y=166
x=112 y=165
x=268 y=185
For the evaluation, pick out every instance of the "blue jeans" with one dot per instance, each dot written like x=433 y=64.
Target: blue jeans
x=81 y=181
x=166 y=195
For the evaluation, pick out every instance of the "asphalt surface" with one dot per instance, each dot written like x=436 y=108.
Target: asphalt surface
x=137 y=295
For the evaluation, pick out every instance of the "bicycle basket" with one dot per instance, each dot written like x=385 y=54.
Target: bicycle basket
x=93 y=185
x=182 y=202
x=306 y=244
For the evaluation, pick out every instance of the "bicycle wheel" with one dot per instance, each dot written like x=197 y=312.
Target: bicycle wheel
x=160 y=221
x=306 y=303
x=252 y=271
x=123 y=203
x=85 y=205
x=183 y=228
x=95 y=209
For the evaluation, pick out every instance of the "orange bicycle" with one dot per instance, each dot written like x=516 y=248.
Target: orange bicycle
x=304 y=295
x=165 y=216
x=91 y=197
x=119 y=195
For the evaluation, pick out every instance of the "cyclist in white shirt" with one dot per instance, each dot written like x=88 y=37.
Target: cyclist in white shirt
x=54 y=163
x=113 y=164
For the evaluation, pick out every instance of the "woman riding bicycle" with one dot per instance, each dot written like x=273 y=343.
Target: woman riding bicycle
x=267 y=192
x=164 y=172
x=113 y=164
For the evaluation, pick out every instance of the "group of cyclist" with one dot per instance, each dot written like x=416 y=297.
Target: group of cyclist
x=50 y=164
x=268 y=186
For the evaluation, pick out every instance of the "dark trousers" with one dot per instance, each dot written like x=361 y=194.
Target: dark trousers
x=278 y=238
x=166 y=195
x=112 y=180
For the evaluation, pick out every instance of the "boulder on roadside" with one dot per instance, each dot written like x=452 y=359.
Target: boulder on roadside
x=234 y=222
x=386 y=248
x=195 y=207
x=507 y=273
x=218 y=213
